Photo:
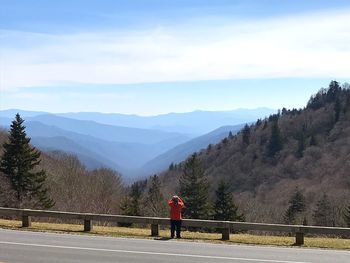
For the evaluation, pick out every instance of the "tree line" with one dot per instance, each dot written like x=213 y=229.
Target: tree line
x=194 y=190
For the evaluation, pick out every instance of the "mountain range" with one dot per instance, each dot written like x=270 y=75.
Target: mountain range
x=133 y=145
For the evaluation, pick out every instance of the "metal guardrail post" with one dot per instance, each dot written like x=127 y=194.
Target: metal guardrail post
x=154 y=230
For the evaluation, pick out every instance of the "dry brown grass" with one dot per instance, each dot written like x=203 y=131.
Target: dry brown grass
x=317 y=242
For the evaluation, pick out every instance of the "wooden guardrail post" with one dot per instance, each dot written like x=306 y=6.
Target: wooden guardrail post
x=226 y=232
x=87 y=225
x=26 y=221
x=154 y=230
x=299 y=238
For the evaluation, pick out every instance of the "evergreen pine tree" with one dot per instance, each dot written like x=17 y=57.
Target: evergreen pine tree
x=155 y=199
x=135 y=199
x=333 y=91
x=284 y=111
x=258 y=123
x=275 y=142
x=125 y=207
x=323 y=214
x=346 y=215
x=225 y=208
x=246 y=134
x=296 y=207
x=194 y=189
x=230 y=135
x=20 y=164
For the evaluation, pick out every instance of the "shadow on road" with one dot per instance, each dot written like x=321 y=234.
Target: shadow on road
x=163 y=238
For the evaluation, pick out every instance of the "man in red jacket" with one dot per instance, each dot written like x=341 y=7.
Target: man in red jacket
x=176 y=205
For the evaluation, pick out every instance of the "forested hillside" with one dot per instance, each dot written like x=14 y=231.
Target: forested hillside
x=298 y=152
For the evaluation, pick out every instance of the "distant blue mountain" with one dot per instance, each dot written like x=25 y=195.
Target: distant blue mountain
x=109 y=132
x=134 y=145
x=197 y=122
x=24 y=113
x=126 y=157
x=194 y=123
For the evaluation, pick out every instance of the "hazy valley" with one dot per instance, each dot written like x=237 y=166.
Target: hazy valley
x=147 y=146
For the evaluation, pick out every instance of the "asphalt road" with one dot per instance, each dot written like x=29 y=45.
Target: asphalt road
x=30 y=247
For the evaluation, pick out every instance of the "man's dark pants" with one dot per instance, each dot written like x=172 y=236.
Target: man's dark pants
x=175 y=224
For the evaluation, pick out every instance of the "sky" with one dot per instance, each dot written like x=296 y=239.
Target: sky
x=150 y=57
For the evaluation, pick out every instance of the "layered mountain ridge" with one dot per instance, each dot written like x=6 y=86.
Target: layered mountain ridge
x=133 y=151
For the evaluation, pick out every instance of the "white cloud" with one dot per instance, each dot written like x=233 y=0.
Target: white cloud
x=312 y=45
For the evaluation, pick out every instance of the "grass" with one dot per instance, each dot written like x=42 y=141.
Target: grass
x=315 y=242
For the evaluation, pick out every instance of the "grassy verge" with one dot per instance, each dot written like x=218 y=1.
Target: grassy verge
x=330 y=243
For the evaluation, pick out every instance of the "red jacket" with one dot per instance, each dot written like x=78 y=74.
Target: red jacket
x=175 y=209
